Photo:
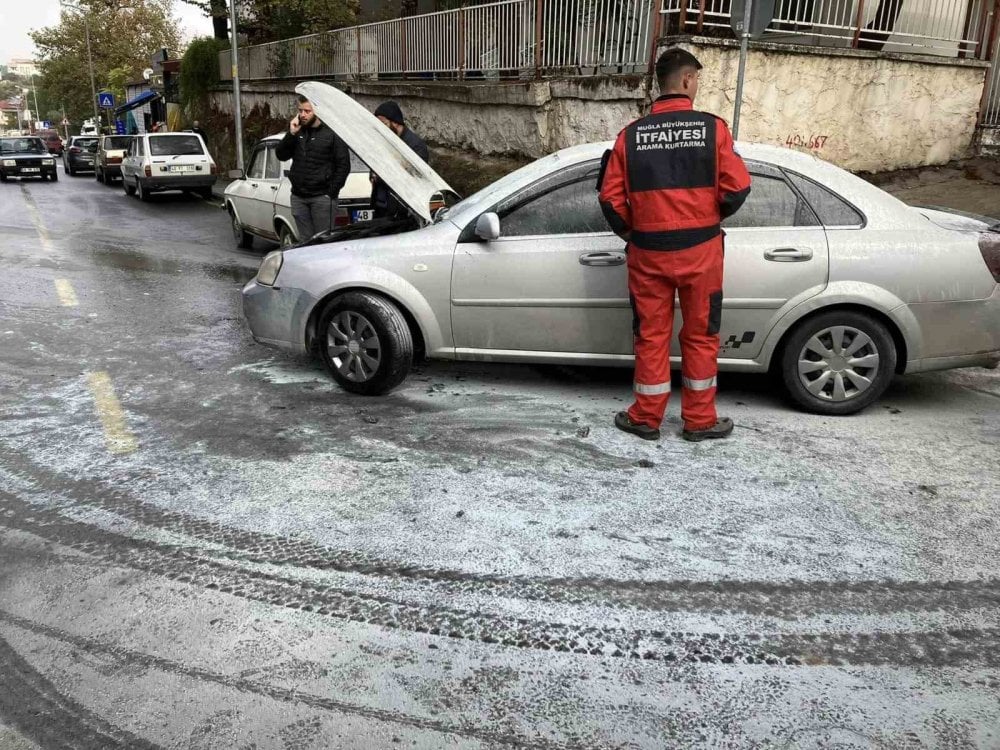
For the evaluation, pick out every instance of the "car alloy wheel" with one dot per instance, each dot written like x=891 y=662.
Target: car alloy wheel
x=838 y=362
x=365 y=342
x=353 y=346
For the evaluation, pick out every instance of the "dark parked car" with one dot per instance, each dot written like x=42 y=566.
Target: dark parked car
x=52 y=141
x=79 y=154
x=26 y=156
x=110 y=153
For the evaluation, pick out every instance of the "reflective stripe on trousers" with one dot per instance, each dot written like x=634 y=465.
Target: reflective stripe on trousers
x=655 y=389
x=699 y=385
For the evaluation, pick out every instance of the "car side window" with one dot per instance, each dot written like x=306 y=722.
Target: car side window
x=256 y=169
x=272 y=168
x=567 y=208
x=772 y=203
x=832 y=210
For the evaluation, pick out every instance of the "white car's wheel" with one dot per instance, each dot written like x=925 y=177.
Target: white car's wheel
x=838 y=362
x=285 y=236
x=127 y=186
x=365 y=343
x=244 y=239
x=141 y=191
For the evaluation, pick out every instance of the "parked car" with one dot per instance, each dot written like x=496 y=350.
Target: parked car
x=79 y=154
x=26 y=156
x=156 y=162
x=110 y=152
x=52 y=141
x=259 y=203
x=831 y=284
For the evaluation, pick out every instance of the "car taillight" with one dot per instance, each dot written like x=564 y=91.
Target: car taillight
x=149 y=171
x=215 y=168
x=74 y=149
x=341 y=221
x=114 y=160
x=989 y=246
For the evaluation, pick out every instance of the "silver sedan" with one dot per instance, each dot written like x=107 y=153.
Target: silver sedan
x=831 y=284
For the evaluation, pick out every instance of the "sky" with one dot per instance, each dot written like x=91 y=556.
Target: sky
x=18 y=18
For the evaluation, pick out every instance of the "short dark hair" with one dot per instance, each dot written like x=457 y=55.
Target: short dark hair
x=672 y=62
x=303 y=100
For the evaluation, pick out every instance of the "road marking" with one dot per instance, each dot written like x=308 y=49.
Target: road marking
x=36 y=219
x=119 y=439
x=67 y=295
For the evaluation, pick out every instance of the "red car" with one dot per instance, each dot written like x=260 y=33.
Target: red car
x=52 y=141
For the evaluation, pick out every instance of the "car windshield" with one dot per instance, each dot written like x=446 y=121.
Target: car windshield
x=22 y=146
x=117 y=142
x=175 y=145
x=87 y=144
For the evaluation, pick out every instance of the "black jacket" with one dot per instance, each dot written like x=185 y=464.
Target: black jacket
x=385 y=204
x=320 y=161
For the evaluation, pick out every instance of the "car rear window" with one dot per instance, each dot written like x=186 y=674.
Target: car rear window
x=86 y=143
x=175 y=145
x=117 y=142
x=22 y=146
x=832 y=210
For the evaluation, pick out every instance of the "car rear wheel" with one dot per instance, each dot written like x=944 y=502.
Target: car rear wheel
x=244 y=240
x=365 y=343
x=838 y=362
x=141 y=191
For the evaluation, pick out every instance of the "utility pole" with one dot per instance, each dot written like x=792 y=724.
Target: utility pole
x=34 y=94
x=237 y=109
x=90 y=57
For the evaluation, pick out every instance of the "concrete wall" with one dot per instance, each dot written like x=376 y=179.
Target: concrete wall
x=862 y=110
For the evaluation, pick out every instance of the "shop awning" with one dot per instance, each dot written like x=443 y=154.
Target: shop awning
x=145 y=96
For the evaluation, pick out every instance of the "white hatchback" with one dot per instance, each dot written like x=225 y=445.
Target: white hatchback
x=156 y=162
x=259 y=203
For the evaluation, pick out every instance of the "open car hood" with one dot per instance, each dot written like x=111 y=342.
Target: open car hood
x=409 y=176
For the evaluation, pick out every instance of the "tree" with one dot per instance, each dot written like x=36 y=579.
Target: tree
x=123 y=36
x=199 y=72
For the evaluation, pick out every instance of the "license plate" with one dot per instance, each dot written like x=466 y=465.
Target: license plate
x=178 y=169
x=31 y=169
x=362 y=215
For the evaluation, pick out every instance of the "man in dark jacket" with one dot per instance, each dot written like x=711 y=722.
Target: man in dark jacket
x=321 y=162
x=383 y=203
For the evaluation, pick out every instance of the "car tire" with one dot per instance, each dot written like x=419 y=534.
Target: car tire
x=365 y=343
x=99 y=175
x=69 y=171
x=838 y=362
x=244 y=240
x=285 y=236
x=142 y=192
x=3 y=177
x=129 y=189
x=205 y=193
x=54 y=176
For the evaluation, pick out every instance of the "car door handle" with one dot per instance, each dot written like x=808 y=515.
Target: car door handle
x=615 y=258
x=274 y=187
x=254 y=184
x=787 y=254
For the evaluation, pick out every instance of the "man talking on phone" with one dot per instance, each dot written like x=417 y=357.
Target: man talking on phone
x=321 y=163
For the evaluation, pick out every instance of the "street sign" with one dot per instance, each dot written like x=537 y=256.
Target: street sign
x=46 y=124
x=106 y=100
x=119 y=127
x=65 y=123
x=761 y=13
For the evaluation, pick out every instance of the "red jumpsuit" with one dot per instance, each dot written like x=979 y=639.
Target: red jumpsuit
x=667 y=184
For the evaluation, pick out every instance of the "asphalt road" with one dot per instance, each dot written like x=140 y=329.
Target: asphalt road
x=206 y=544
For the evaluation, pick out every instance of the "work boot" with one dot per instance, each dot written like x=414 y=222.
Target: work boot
x=721 y=429
x=623 y=423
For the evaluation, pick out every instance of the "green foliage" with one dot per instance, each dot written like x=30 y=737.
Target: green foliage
x=199 y=73
x=122 y=38
x=270 y=20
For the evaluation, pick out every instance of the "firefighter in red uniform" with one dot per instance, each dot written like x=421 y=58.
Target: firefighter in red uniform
x=669 y=181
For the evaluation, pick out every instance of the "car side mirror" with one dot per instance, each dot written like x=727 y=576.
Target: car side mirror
x=488 y=227
x=236 y=174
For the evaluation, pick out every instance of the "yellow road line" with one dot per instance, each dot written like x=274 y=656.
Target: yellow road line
x=67 y=295
x=119 y=439
x=36 y=219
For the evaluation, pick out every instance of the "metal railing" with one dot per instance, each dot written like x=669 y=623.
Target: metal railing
x=951 y=28
x=507 y=39
x=989 y=116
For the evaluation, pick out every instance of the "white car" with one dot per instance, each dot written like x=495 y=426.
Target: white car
x=156 y=162
x=831 y=284
x=259 y=203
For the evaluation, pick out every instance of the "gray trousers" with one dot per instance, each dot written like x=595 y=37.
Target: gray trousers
x=313 y=215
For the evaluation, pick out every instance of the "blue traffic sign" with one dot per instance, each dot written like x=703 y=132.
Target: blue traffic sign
x=119 y=127
x=106 y=100
x=46 y=124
